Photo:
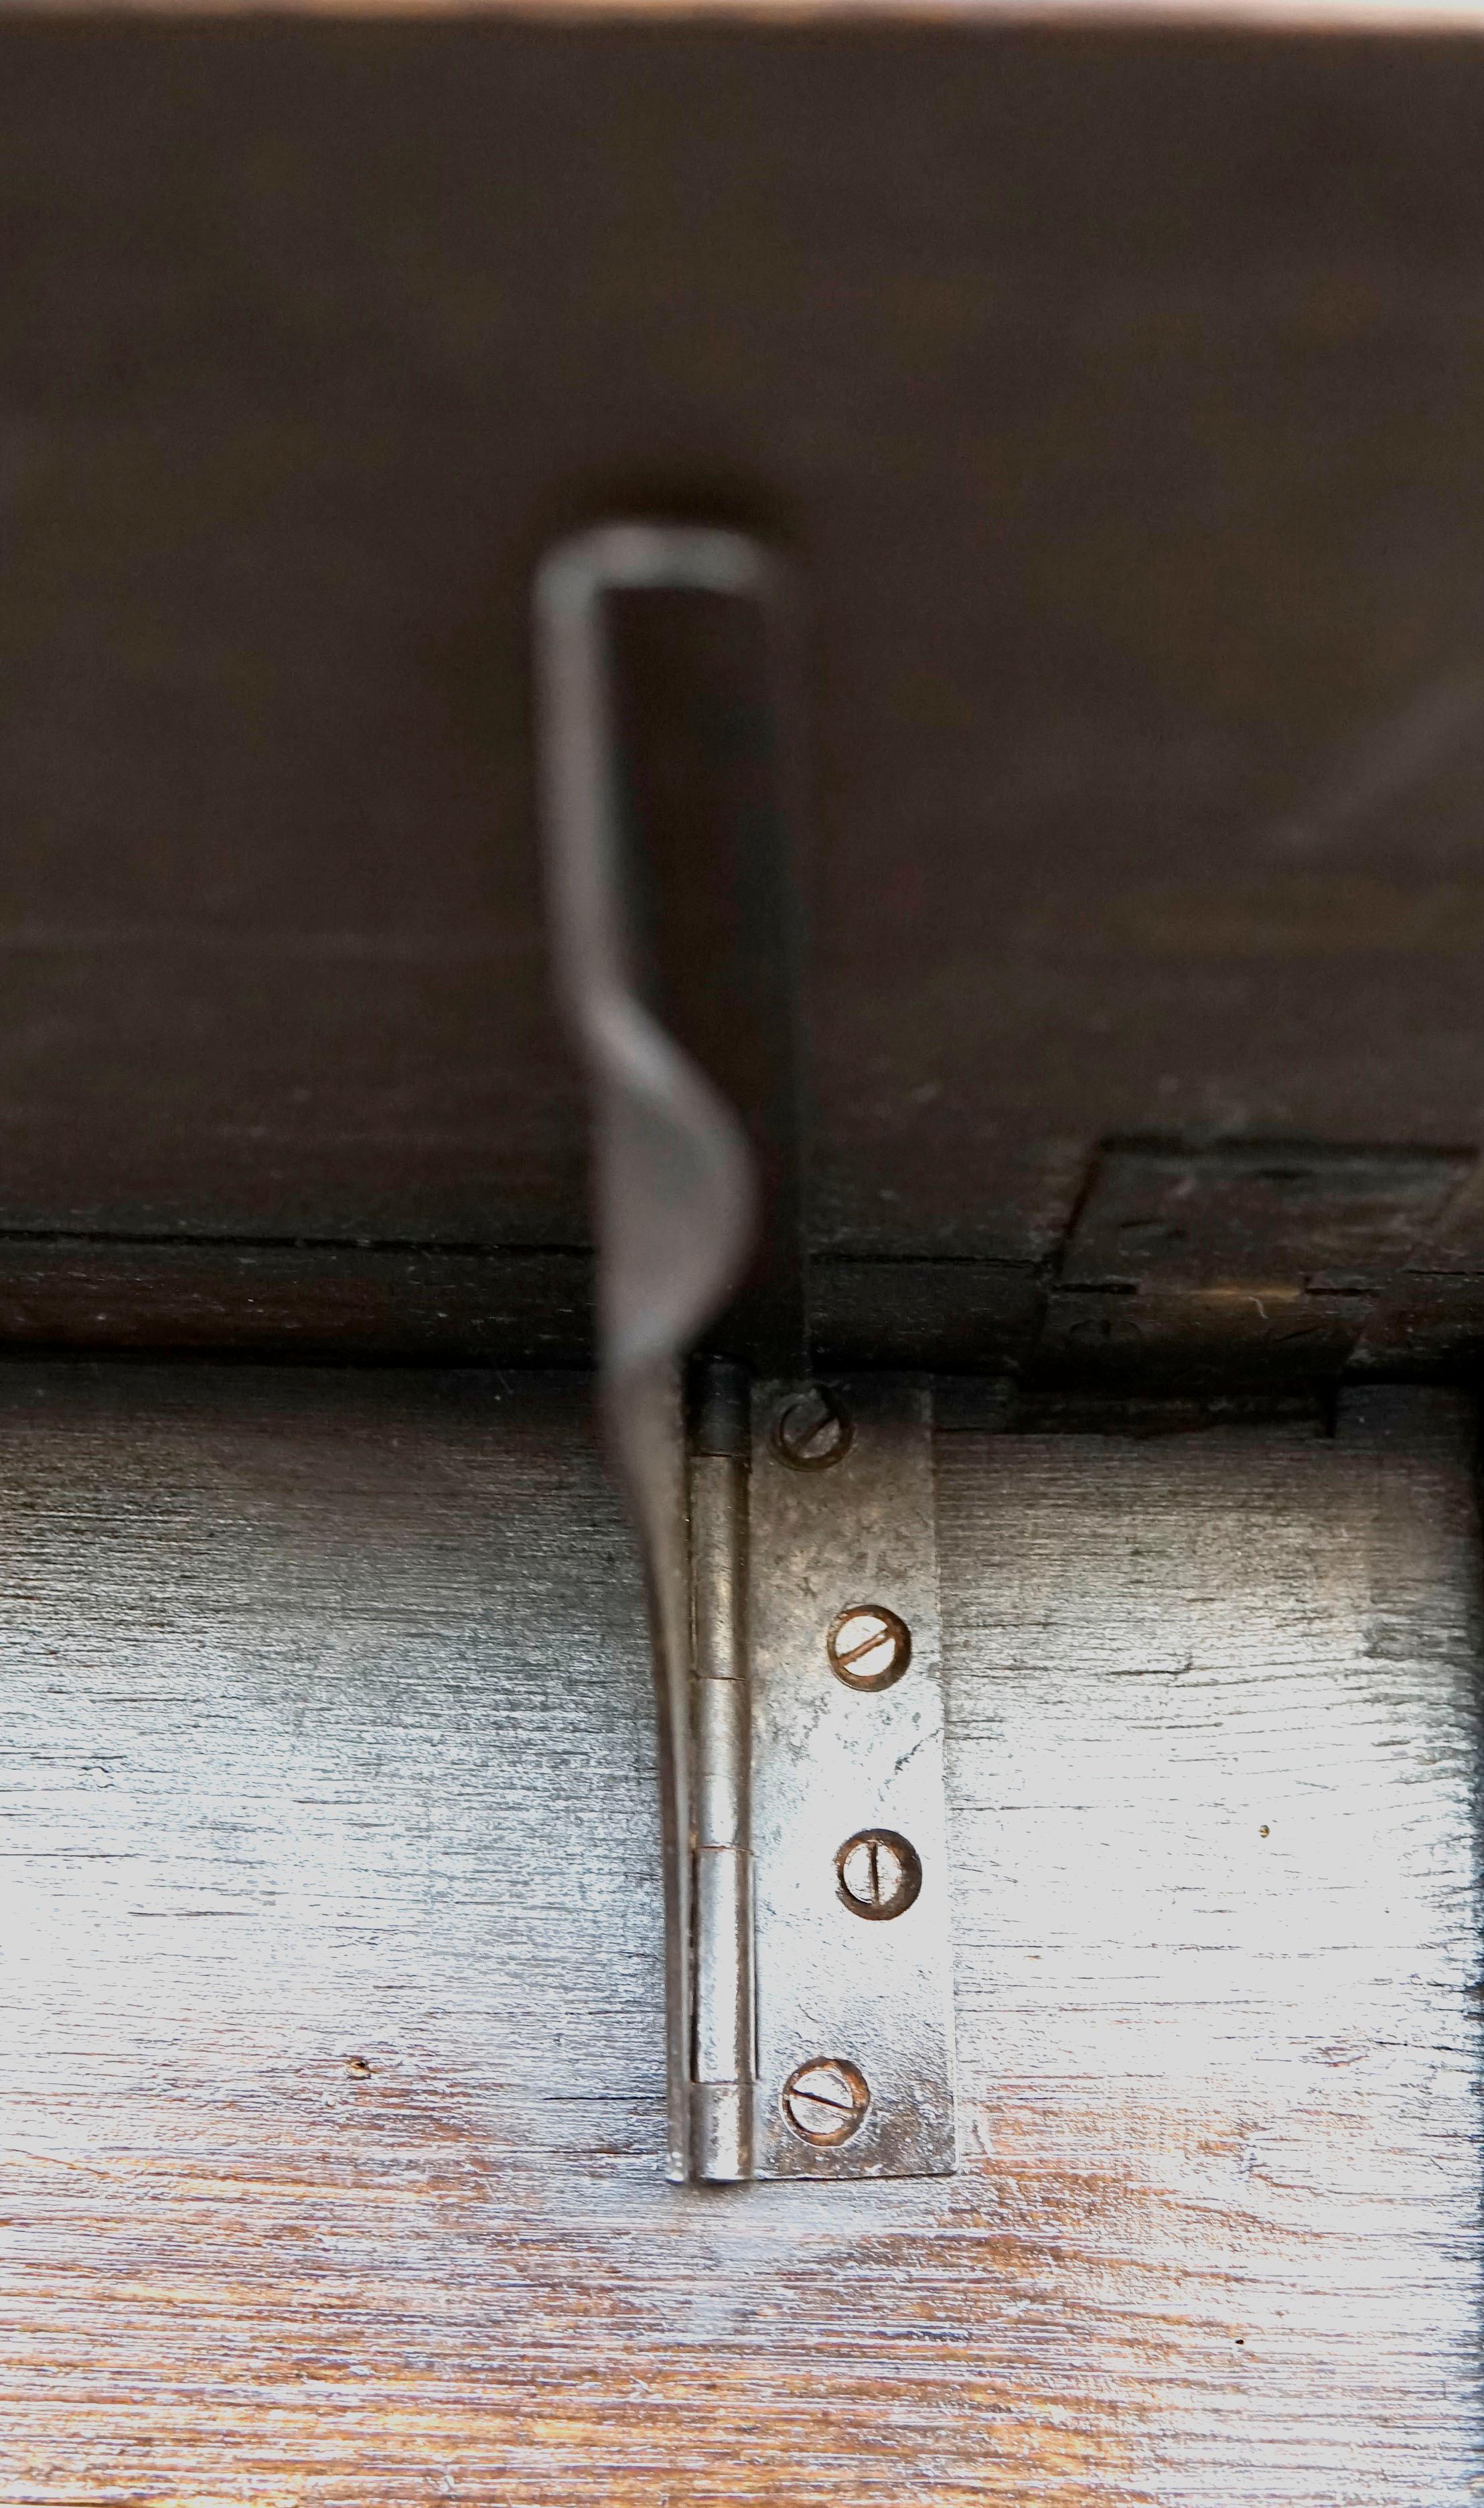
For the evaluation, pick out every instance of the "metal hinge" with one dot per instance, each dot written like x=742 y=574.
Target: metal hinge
x=822 y=2039
x=788 y=1538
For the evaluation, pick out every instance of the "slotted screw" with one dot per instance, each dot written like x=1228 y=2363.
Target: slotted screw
x=868 y=1647
x=826 y=2100
x=811 y=1431
x=880 y=1874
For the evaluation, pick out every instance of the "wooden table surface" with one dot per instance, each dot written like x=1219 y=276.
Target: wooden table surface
x=330 y=1960
x=1406 y=16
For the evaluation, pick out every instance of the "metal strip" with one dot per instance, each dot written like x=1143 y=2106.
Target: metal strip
x=676 y=1194
x=855 y=2018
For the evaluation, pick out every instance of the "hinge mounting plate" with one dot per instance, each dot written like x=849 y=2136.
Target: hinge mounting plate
x=822 y=1979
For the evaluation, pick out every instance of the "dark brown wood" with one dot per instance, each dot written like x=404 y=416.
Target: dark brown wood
x=438 y=1304
x=1117 y=389
x=330 y=2074
x=501 y=1306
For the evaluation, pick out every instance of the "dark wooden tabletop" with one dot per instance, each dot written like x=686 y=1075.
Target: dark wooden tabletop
x=1115 y=386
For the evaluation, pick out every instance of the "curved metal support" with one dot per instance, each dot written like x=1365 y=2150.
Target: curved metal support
x=676 y=1192
x=675 y=1202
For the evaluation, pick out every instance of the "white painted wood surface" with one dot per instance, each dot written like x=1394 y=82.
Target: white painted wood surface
x=331 y=2059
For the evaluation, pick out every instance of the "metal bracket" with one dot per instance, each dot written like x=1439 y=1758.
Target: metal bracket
x=788 y=1540
x=822 y=2041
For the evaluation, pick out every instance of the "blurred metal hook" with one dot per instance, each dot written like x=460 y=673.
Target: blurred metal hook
x=676 y=1196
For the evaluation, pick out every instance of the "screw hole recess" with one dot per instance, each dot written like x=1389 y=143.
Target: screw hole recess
x=826 y=2101
x=811 y=1430
x=869 y=1648
x=879 y=1874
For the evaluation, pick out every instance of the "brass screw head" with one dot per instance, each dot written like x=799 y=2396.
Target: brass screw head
x=879 y=1874
x=868 y=1647
x=826 y=2101
x=811 y=1431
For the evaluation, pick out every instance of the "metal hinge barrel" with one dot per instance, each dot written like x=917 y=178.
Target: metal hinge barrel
x=723 y=2065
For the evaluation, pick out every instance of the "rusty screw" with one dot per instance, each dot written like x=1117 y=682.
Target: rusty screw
x=879 y=1874
x=826 y=2100
x=811 y=1431
x=868 y=1647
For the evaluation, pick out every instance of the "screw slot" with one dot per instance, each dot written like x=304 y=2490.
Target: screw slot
x=826 y=2101
x=868 y=1647
x=811 y=1431
x=879 y=1874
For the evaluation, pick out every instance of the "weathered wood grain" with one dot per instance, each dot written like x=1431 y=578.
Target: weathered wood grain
x=329 y=1951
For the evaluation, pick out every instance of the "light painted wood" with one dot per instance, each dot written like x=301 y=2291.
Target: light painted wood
x=330 y=2073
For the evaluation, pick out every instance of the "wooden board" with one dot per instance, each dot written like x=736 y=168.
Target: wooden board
x=1118 y=391
x=330 y=2066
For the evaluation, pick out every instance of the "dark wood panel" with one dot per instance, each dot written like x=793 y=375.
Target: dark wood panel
x=1118 y=390
x=510 y=1305
x=331 y=2056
